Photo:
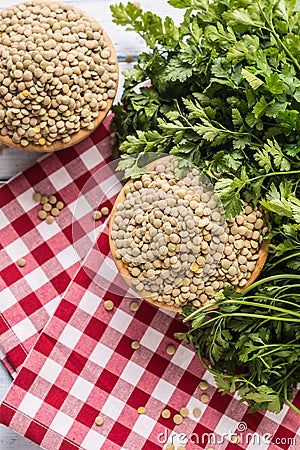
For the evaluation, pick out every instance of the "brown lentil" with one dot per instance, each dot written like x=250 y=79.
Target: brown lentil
x=22 y=262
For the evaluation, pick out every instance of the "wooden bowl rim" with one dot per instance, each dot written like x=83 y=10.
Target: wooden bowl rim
x=260 y=262
x=82 y=133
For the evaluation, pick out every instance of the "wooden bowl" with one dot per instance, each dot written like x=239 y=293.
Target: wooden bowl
x=83 y=133
x=262 y=255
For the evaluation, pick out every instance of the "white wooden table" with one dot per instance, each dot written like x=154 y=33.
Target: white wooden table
x=13 y=161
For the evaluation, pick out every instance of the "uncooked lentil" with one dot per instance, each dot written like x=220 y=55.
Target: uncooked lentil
x=42 y=214
x=170 y=447
x=141 y=410
x=49 y=220
x=37 y=197
x=97 y=215
x=104 y=211
x=166 y=414
x=44 y=200
x=204 y=398
x=171 y=349
x=49 y=65
x=99 y=420
x=59 y=205
x=135 y=345
x=22 y=262
x=109 y=305
x=184 y=412
x=181 y=447
x=54 y=212
x=47 y=207
x=203 y=385
x=52 y=199
x=177 y=419
x=134 y=306
x=197 y=412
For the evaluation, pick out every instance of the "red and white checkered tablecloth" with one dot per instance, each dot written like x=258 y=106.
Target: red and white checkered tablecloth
x=30 y=295
x=82 y=365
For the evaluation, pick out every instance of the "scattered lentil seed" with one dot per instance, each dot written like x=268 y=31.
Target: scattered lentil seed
x=37 y=197
x=166 y=414
x=55 y=212
x=47 y=207
x=134 y=306
x=135 y=345
x=170 y=447
x=59 y=205
x=22 y=262
x=204 y=398
x=104 y=211
x=49 y=220
x=44 y=200
x=197 y=412
x=177 y=419
x=109 y=305
x=52 y=199
x=181 y=447
x=203 y=385
x=42 y=214
x=97 y=215
x=171 y=349
x=99 y=420
x=235 y=439
x=184 y=412
x=141 y=410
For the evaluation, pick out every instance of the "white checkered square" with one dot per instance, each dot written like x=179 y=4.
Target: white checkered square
x=50 y=370
x=183 y=357
x=3 y=220
x=24 y=329
x=67 y=257
x=144 y=425
x=48 y=231
x=120 y=321
x=81 y=389
x=132 y=373
x=152 y=339
x=30 y=405
x=26 y=201
x=89 y=303
x=163 y=391
x=7 y=299
x=101 y=354
x=91 y=158
x=37 y=278
x=60 y=179
x=70 y=336
x=90 y=439
x=61 y=423
x=112 y=407
x=16 y=249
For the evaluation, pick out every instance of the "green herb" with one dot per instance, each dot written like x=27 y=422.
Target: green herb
x=258 y=330
x=222 y=91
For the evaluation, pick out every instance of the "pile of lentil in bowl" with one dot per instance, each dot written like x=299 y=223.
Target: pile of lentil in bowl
x=57 y=73
x=172 y=238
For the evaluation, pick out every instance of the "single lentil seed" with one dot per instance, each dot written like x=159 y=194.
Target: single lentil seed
x=59 y=205
x=44 y=200
x=49 y=220
x=135 y=345
x=166 y=414
x=105 y=211
x=177 y=419
x=22 y=262
x=203 y=385
x=97 y=215
x=47 y=207
x=134 y=306
x=197 y=412
x=204 y=398
x=184 y=412
x=37 y=197
x=99 y=420
x=141 y=410
x=42 y=214
x=52 y=199
x=171 y=349
x=55 y=212
x=109 y=305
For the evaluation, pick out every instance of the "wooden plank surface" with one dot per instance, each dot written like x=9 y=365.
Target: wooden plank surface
x=13 y=161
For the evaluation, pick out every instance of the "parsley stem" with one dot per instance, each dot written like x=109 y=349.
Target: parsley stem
x=291 y=172
x=259 y=305
x=288 y=402
x=288 y=276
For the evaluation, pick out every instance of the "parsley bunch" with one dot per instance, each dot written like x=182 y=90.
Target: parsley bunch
x=222 y=91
